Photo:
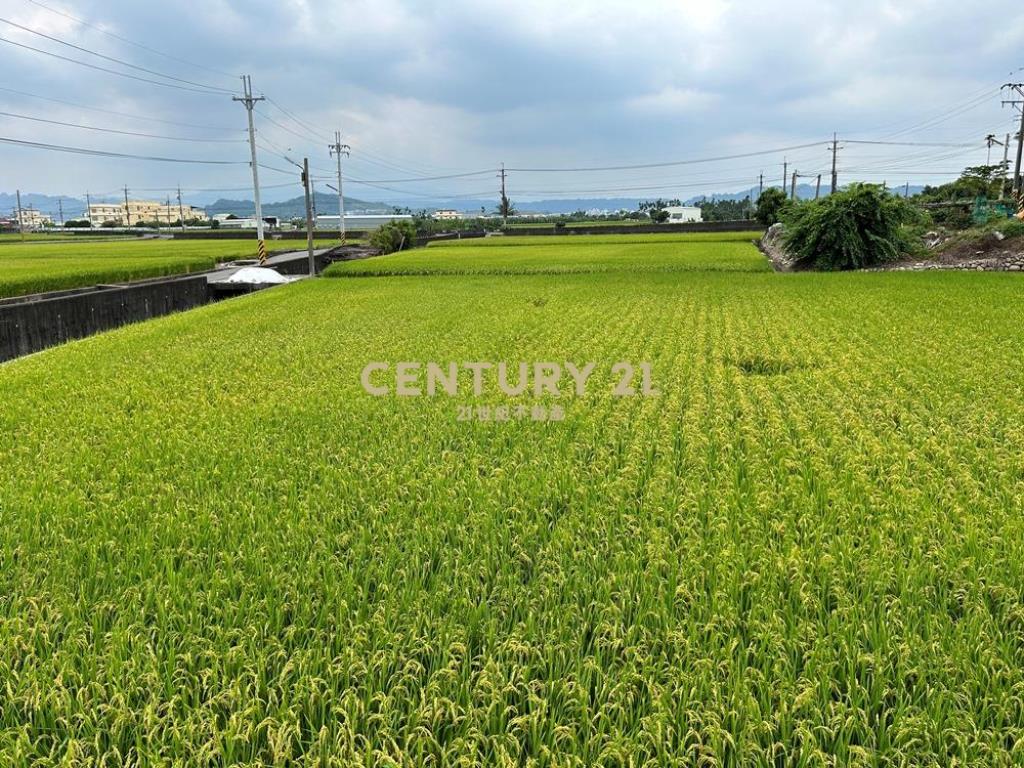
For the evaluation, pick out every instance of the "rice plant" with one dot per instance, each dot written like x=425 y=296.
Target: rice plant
x=218 y=550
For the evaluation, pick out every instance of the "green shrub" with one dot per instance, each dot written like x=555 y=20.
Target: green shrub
x=1011 y=227
x=771 y=205
x=394 y=236
x=859 y=227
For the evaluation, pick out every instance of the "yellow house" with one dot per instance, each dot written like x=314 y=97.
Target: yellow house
x=136 y=211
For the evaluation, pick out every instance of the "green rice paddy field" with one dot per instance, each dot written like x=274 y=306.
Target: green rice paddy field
x=808 y=550
x=33 y=267
x=569 y=254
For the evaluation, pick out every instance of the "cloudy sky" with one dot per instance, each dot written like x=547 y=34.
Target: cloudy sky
x=431 y=88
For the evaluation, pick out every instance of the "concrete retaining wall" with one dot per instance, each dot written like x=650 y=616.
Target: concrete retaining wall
x=31 y=323
x=250 y=234
x=642 y=229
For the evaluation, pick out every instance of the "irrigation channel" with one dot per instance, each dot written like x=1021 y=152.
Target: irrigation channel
x=32 y=323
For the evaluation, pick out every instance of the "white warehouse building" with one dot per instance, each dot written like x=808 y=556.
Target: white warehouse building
x=684 y=214
x=359 y=221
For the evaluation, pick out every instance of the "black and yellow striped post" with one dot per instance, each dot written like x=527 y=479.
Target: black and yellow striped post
x=263 y=253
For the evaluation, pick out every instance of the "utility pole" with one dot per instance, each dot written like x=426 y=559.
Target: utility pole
x=309 y=216
x=127 y=210
x=250 y=101
x=504 y=199
x=21 y=220
x=60 y=210
x=760 y=185
x=785 y=173
x=792 y=188
x=338 y=149
x=906 y=191
x=181 y=210
x=817 y=188
x=835 y=157
x=88 y=209
x=1019 y=88
x=1006 y=166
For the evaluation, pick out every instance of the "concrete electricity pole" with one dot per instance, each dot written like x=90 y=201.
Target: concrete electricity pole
x=817 y=188
x=250 y=101
x=338 y=149
x=181 y=210
x=504 y=199
x=835 y=157
x=127 y=210
x=309 y=216
x=785 y=173
x=21 y=220
x=60 y=210
x=760 y=186
x=1019 y=88
x=88 y=209
x=1006 y=166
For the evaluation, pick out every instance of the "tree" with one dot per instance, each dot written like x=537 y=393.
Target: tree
x=862 y=226
x=770 y=206
x=505 y=208
x=952 y=204
x=394 y=236
x=725 y=210
x=77 y=224
x=656 y=209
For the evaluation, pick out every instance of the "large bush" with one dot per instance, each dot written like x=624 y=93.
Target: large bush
x=859 y=227
x=394 y=236
x=770 y=206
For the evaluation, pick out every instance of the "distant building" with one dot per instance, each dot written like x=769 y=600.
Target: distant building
x=120 y=215
x=30 y=218
x=360 y=221
x=446 y=215
x=271 y=222
x=683 y=214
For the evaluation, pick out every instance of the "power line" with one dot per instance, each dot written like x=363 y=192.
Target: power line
x=130 y=42
x=666 y=164
x=120 y=133
x=111 y=112
x=631 y=189
x=910 y=143
x=109 y=71
x=944 y=117
x=291 y=116
x=976 y=97
x=112 y=59
x=272 y=121
x=470 y=174
x=103 y=153
x=174 y=187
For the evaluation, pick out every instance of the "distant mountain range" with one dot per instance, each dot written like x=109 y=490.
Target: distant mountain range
x=296 y=207
x=73 y=207
x=328 y=203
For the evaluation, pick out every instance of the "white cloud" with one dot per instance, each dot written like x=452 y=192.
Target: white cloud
x=458 y=83
x=672 y=101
